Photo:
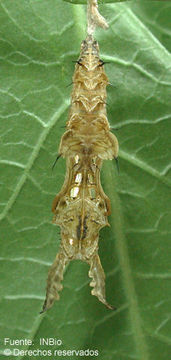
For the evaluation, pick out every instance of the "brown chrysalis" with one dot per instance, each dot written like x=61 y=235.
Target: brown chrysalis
x=81 y=208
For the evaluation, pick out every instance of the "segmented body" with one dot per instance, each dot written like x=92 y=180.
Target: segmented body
x=81 y=207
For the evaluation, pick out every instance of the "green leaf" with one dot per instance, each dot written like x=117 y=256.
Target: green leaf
x=100 y=1
x=108 y=1
x=39 y=40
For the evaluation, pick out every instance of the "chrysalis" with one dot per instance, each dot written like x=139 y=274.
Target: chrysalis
x=81 y=208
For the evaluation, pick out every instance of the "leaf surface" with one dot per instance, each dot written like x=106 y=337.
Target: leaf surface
x=39 y=40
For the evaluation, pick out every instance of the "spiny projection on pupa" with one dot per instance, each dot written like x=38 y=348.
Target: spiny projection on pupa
x=82 y=208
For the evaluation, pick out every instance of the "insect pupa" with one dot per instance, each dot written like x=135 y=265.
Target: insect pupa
x=82 y=208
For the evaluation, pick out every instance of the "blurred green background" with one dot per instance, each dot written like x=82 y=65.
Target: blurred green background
x=39 y=40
